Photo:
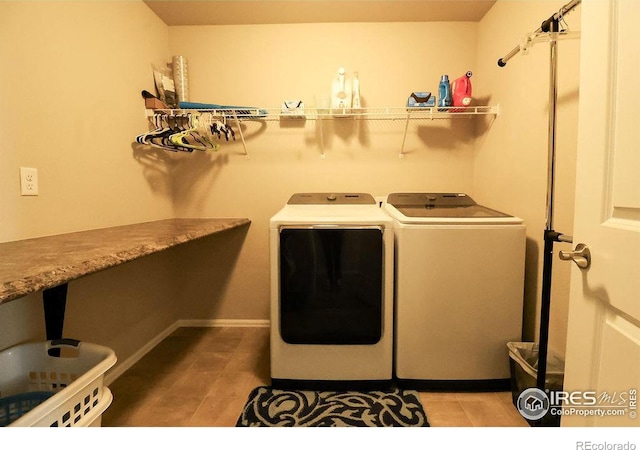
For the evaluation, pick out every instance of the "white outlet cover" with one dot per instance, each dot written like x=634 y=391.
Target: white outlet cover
x=28 y=181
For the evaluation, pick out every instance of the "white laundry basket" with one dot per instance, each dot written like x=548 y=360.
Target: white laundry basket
x=40 y=389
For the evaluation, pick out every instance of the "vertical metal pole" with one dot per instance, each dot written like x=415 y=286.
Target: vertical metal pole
x=549 y=234
x=553 y=99
x=550 y=26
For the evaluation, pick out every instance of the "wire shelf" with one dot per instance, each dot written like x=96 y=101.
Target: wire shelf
x=406 y=114
x=312 y=113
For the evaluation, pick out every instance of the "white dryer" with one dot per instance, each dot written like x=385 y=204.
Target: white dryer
x=459 y=291
x=331 y=292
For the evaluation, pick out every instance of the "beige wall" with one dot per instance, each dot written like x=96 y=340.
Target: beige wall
x=263 y=65
x=510 y=160
x=73 y=107
x=71 y=81
x=501 y=162
x=70 y=88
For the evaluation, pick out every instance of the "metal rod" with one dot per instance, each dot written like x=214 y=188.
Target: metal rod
x=553 y=100
x=550 y=236
x=503 y=61
x=543 y=28
x=545 y=308
x=550 y=26
x=565 y=238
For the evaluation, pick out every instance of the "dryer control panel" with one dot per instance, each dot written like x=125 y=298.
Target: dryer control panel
x=330 y=198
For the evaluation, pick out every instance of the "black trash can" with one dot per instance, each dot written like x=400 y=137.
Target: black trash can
x=523 y=361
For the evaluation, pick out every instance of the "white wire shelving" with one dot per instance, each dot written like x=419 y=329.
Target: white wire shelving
x=405 y=114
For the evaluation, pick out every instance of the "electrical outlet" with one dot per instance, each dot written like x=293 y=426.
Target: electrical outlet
x=28 y=181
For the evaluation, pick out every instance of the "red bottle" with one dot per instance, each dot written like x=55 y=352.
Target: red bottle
x=461 y=90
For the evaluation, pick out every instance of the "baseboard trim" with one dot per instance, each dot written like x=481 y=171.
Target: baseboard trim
x=222 y=323
x=125 y=365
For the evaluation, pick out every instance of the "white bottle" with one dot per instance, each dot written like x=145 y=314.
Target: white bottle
x=340 y=94
x=355 y=103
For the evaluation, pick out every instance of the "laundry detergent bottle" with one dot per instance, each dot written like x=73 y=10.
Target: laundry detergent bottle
x=355 y=95
x=444 y=92
x=461 y=90
x=341 y=92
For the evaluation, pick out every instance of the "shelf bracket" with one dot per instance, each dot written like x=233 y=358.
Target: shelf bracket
x=404 y=138
x=320 y=124
x=244 y=144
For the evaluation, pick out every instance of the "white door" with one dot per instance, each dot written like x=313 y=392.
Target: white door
x=603 y=342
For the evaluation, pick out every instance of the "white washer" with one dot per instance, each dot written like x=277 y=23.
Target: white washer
x=459 y=291
x=331 y=292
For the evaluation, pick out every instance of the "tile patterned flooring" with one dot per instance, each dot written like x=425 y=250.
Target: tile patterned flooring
x=201 y=377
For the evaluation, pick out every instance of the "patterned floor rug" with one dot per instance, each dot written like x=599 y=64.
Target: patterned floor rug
x=267 y=407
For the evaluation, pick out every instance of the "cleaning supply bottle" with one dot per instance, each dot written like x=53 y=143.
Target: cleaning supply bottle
x=341 y=93
x=355 y=87
x=462 y=90
x=444 y=92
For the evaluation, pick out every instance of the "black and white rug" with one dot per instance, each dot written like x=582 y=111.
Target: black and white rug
x=268 y=407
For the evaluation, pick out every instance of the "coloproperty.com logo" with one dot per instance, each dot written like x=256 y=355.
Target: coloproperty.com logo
x=534 y=403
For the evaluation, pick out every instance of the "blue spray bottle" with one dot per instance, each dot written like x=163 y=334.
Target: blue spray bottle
x=444 y=92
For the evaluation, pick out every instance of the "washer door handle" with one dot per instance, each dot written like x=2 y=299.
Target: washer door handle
x=581 y=255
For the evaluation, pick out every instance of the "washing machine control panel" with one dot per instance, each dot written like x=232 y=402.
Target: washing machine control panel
x=433 y=200
x=450 y=205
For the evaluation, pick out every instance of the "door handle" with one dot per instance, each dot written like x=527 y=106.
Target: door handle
x=581 y=255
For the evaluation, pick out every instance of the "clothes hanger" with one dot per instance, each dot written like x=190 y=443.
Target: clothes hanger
x=159 y=128
x=190 y=138
x=160 y=138
x=187 y=131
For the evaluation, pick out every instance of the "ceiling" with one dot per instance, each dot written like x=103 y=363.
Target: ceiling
x=238 y=12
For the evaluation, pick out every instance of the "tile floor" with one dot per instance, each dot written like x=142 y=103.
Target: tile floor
x=201 y=377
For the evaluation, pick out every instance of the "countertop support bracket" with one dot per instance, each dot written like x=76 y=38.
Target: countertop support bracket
x=54 y=301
